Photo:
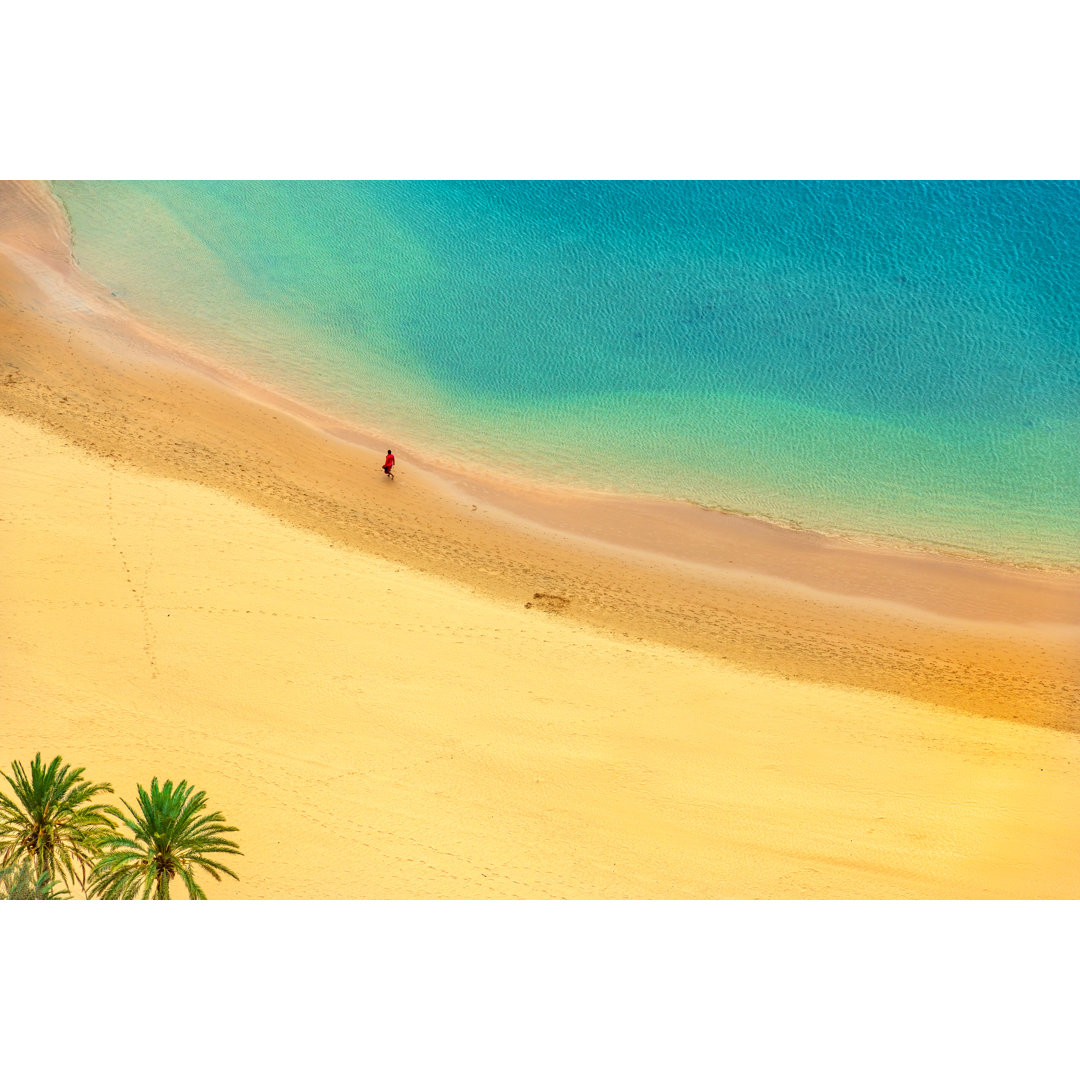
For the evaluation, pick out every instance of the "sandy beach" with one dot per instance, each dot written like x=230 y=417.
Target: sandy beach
x=456 y=686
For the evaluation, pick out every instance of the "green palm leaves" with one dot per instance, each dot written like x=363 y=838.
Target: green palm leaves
x=53 y=822
x=22 y=882
x=171 y=837
x=54 y=832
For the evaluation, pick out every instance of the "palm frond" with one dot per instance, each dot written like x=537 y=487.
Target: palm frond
x=20 y=882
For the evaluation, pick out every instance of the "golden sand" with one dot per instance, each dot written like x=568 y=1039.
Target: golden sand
x=393 y=694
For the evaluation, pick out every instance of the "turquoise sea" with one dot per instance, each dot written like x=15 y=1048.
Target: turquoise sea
x=894 y=359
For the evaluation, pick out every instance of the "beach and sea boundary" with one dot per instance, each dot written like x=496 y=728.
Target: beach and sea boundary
x=737 y=683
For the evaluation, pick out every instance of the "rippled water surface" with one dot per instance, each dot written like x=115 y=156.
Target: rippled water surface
x=899 y=359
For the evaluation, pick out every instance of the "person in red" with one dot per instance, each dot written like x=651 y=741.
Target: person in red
x=388 y=464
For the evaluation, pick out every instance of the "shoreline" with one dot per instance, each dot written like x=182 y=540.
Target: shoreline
x=950 y=629
x=500 y=485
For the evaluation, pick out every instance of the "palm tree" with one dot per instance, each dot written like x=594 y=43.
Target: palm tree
x=170 y=836
x=53 y=821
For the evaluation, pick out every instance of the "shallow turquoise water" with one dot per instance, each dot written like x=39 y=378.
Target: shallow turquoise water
x=899 y=359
